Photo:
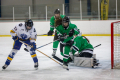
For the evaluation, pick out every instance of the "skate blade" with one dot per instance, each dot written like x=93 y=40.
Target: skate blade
x=3 y=70
x=36 y=68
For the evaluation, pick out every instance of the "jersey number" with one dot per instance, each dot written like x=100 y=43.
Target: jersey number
x=15 y=28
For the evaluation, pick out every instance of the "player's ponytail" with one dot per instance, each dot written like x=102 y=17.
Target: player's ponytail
x=86 y=39
x=58 y=22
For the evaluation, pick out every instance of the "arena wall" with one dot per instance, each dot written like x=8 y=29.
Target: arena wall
x=97 y=28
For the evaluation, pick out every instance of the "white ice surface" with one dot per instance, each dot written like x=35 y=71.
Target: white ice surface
x=22 y=66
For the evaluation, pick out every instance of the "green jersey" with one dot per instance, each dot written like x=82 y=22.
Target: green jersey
x=52 y=22
x=80 y=43
x=61 y=30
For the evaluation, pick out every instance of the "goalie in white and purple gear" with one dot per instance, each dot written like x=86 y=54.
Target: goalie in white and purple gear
x=26 y=33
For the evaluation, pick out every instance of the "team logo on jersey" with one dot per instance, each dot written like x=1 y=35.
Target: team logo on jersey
x=12 y=55
x=23 y=36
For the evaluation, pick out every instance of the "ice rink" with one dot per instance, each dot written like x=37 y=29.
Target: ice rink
x=22 y=66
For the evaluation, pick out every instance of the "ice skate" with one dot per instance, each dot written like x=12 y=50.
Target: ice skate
x=36 y=65
x=96 y=63
x=4 y=67
x=54 y=52
x=65 y=65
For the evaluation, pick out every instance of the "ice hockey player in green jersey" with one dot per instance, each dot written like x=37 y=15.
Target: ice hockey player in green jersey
x=82 y=46
x=51 y=31
x=65 y=32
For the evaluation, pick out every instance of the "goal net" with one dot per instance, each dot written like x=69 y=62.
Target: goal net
x=115 y=45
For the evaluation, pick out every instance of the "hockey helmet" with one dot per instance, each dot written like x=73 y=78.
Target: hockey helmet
x=57 y=11
x=29 y=23
x=65 y=21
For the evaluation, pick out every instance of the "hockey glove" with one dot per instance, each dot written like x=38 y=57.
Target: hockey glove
x=15 y=38
x=71 y=32
x=50 y=33
x=61 y=38
x=70 y=43
x=33 y=46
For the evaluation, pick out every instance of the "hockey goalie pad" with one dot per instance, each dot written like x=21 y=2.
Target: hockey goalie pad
x=83 y=62
x=117 y=65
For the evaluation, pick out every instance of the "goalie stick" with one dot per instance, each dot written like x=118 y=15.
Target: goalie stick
x=97 y=45
x=46 y=55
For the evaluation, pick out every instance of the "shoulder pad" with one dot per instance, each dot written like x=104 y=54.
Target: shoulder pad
x=62 y=16
x=20 y=24
x=52 y=17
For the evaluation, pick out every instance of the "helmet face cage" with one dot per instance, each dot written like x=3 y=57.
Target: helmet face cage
x=29 y=23
x=57 y=11
x=65 y=20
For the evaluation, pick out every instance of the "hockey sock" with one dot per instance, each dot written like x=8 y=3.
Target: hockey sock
x=11 y=56
x=34 y=56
